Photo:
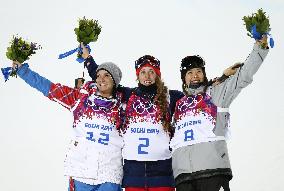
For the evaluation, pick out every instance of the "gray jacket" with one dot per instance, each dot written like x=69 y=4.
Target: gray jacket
x=211 y=158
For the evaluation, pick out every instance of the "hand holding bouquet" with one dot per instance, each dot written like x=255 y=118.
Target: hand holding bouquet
x=258 y=25
x=19 y=51
x=87 y=31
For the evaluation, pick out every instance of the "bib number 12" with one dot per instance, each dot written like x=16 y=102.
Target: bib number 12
x=103 y=139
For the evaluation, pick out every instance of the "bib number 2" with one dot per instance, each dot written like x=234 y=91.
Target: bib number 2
x=141 y=147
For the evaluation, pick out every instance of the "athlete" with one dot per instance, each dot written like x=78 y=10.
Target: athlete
x=94 y=157
x=201 y=122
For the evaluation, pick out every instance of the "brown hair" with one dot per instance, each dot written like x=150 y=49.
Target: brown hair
x=162 y=101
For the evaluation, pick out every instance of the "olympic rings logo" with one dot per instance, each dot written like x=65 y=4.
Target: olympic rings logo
x=141 y=107
x=190 y=102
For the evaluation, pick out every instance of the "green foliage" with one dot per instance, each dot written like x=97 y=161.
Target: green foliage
x=21 y=50
x=88 y=31
x=260 y=20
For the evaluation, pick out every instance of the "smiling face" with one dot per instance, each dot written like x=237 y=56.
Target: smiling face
x=105 y=83
x=147 y=76
x=194 y=76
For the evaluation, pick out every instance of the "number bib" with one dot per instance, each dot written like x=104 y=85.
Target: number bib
x=192 y=130
x=92 y=137
x=99 y=132
x=195 y=120
x=145 y=141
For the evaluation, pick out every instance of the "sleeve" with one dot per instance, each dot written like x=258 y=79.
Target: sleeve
x=175 y=95
x=64 y=95
x=34 y=79
x=92 y=67
x=224 y=93
x=126 y=92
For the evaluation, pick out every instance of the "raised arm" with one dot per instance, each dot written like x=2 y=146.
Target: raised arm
x=64 y=95
x=224 y=93
x=89 y=62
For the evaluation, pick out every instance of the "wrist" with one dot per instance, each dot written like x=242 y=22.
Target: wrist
x=88 y=60
x=264 y=45
x=22 y=69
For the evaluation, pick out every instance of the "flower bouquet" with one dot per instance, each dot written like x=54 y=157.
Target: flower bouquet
x=19 y=50
x=257 y=25
x=87 y=31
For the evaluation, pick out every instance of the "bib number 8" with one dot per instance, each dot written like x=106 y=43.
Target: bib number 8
x=141 y=146
x=188 y=135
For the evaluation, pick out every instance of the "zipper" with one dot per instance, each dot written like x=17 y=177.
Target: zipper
x=145 y=182
x=189 y=158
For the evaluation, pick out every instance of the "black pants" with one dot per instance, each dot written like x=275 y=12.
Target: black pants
x=205 y=184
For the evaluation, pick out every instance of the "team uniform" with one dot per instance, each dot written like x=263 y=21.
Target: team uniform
x=146 y=152
x=201 y=121
x=147 y=158
x=94 y=156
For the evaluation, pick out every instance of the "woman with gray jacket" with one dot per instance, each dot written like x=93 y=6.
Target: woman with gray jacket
x=200 y=155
